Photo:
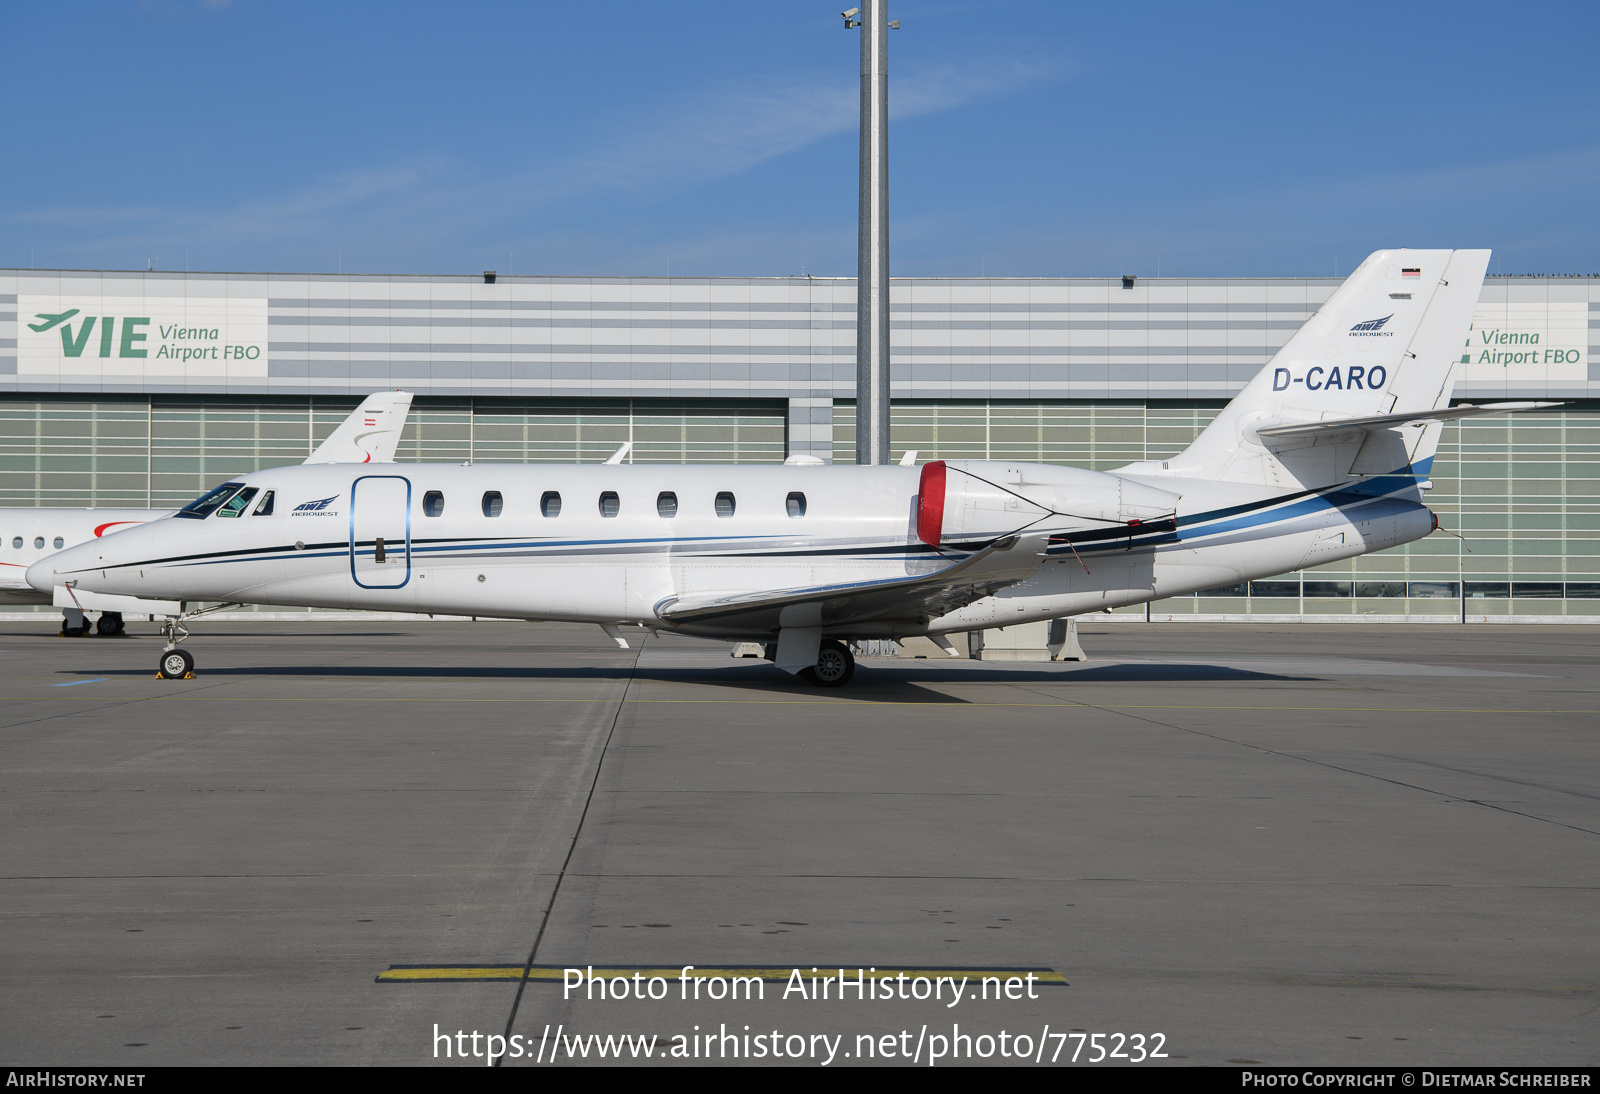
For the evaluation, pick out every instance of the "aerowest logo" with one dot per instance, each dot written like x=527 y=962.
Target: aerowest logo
x=1372 y=328
x=177 y=341
x=316 y=508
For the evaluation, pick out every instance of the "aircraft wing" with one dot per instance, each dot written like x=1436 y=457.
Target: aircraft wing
x=1307 y=430
x=923 y=597
x=371 y=434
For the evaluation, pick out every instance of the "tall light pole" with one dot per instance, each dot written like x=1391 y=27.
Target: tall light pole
x=872 y=244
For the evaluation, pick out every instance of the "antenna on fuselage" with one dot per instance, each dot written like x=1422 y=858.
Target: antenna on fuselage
x=620 y=454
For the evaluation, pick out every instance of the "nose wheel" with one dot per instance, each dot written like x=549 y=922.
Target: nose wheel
x=176 y=664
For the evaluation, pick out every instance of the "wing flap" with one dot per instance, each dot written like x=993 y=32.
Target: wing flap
x=919 y=598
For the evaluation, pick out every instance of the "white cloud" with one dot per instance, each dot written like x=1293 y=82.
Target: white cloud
x=729 y=129
x=256 y=220
x=705 y=135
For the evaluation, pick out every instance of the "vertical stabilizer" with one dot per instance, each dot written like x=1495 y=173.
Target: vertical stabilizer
x=1387 y=341
x=371 y=434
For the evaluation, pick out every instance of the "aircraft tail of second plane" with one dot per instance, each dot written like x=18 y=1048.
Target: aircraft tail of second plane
x=1388 y=343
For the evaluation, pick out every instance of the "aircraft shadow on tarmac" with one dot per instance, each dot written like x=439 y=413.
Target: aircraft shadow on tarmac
x=1142 y=673
x=875 y=681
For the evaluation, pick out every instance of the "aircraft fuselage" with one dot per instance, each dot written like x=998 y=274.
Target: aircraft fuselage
x=622 y=544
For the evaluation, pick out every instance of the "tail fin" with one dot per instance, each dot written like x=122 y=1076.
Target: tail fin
x=1388 y=341
x=371 y=434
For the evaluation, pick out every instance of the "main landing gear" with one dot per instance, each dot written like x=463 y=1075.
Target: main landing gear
x=835 y=665
x=177 y=664
x=74 y=624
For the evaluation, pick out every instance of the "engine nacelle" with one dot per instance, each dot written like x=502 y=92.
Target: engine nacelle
x=977 y=498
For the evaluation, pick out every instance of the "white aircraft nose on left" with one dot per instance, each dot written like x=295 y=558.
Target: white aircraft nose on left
x=81 y=563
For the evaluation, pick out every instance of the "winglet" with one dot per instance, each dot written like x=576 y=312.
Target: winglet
x=371 y=434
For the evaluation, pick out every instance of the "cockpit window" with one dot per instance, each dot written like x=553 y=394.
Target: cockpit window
x=201 y=507
x=236 y=504
x=265 y=508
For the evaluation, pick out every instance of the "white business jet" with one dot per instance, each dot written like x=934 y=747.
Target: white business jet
x=369 y=435
x=1324 y=455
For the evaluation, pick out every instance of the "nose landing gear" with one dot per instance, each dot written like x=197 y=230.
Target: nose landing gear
x=176 y=664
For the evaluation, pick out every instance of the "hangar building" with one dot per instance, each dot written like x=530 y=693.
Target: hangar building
x=146 y=388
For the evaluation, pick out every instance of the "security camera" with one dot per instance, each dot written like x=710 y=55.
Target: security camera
x=851 y=13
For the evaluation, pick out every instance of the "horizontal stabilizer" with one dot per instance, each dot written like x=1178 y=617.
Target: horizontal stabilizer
x=1286 y=431
x=1005 y=562
x=371 y=434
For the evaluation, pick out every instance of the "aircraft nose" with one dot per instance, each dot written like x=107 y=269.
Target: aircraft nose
x=62 y=566
x=41 y=575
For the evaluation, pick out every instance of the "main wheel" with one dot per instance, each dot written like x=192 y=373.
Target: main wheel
x=175 y=664
x=109 y=623
x=834 y=666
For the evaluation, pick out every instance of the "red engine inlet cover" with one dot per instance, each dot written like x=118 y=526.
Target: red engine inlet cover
x=930 y=503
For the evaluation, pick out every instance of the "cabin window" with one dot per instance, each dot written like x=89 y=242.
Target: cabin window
x=492 y=503
x=201 y=507
x=725 y=505
x=236 y=504
x=550 y=504
x=60 y=543
x=609 y=504
x=265 y=508
x=17 y=543
x=38 y=543
x=796 y=504
x=666 y=504
x=433 y=504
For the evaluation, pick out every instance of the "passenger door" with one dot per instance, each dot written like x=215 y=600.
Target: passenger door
x=380 y=531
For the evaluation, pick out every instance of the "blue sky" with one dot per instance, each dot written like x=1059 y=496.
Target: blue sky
x=642 y=138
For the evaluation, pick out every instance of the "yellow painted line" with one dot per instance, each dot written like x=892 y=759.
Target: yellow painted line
x=953 y=702
x=413 y=974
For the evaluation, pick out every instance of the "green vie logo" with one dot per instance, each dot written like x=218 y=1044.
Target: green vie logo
x=74 y=346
